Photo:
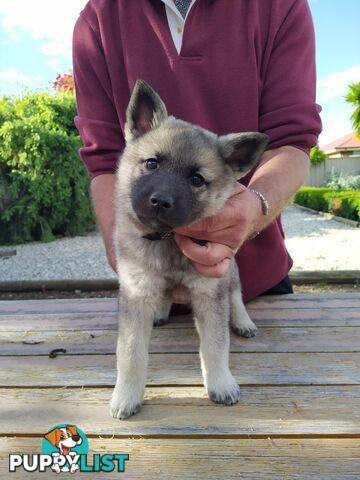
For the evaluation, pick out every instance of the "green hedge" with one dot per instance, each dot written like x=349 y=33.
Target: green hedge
x=344 y=203
x=43 y=184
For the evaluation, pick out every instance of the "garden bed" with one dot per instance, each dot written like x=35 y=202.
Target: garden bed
x=342 y=203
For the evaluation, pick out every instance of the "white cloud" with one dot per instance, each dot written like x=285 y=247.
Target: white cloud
x=336 y=120
x=11 y=81
x=46 y=20
x=336 y=84
x=55 y=64
x=56 y=49
x=12 y=76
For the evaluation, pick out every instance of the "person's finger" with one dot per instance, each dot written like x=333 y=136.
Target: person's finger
x=213 y=271
x=228 y=236
x=239 y=188
x=208 y=254
x=215 y=223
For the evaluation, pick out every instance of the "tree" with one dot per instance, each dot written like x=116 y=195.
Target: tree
x=317 y=155
x=353 y=97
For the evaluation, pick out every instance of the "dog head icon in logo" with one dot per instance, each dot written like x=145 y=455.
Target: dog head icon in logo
x=65 y=441
x=64 y=438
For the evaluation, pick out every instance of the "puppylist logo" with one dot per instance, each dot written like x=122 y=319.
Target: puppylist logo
x=65 y=448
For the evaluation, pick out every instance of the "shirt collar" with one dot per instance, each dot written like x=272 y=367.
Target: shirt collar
x=172 y=6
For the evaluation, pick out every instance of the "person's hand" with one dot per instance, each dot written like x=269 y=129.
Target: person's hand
x=224 y=232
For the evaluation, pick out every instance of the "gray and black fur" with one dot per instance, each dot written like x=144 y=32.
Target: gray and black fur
x=172 y=174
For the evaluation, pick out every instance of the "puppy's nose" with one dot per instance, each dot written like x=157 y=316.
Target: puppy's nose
x=76 y=438
x=161 y=201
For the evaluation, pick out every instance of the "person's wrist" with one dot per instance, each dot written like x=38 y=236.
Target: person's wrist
x=260 y=211
x=264 y=203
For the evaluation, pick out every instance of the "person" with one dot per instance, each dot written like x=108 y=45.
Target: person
x=228 y=66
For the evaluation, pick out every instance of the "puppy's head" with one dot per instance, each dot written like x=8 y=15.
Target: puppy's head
x=176 y=173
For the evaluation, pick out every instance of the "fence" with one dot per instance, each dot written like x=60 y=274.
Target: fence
x=319 y=174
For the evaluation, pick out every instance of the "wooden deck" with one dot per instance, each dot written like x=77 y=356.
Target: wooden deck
x=298 y=417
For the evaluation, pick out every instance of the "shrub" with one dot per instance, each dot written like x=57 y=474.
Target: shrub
x=342 y=203
x=43 y=184
x=312 y=197
x=339 y=181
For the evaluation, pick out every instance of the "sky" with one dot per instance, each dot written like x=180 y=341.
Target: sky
x=35 y=45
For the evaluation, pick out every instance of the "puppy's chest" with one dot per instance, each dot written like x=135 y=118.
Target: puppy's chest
x=161 y=265
x=158 y=257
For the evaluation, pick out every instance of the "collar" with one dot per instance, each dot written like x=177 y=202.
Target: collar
x=172 y=7
x=165 y=236
x=158 y=236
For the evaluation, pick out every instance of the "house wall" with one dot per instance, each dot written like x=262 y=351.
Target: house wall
x=319 y=174
x=344 y=153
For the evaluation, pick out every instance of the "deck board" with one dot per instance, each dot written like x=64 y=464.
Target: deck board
x=272 y=317
x=91 y=305
x=268 y=339
x=294 y=410
x=298 y=416
x=174 y=369
x=194 y=459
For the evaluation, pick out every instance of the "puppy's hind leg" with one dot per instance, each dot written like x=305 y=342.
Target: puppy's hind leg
x=162 y=313
x=240 y=322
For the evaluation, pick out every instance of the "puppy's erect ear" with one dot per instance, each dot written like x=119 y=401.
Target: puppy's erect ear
x=145 y=111
x=241 y=151
x=52 y=437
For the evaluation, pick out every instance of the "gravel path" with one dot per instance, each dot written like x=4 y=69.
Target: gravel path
x=314 y=242
x=65 y=259
x=317 y=243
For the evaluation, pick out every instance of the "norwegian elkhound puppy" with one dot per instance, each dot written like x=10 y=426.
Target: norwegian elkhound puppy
x=172 y=174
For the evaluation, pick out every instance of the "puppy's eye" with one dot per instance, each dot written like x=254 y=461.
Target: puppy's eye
x=152 y=164
x=197 y=180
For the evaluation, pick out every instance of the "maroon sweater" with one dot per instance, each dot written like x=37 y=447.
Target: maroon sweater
x=245 y=65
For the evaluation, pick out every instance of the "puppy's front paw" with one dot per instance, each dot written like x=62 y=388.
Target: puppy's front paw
x=122 y=407
x=227 y=393
x=123 y=411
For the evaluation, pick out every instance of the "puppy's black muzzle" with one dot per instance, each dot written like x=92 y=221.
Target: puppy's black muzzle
x=163 y=201
x=160 y=201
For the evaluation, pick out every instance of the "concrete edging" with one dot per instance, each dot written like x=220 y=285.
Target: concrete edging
x=328 y=216
x=325 y=276
x=297 y=277
x=61 y=285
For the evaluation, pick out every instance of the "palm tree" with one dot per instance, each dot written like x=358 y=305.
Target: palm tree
x=353 y=97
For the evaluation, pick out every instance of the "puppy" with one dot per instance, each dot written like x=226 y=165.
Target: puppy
x=172 y=174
